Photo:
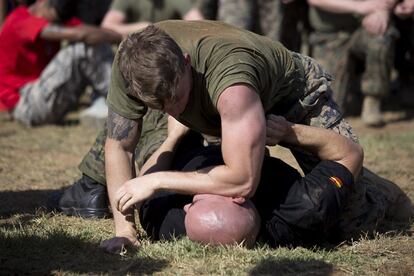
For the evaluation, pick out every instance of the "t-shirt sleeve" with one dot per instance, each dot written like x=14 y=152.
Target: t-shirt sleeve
x=119 y=100
x=235 y=68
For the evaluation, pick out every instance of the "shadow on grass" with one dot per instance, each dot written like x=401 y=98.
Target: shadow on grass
x=60 y=252
x=272 y=266
x=23 y=202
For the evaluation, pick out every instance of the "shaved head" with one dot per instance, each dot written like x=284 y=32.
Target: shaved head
x=214 y=219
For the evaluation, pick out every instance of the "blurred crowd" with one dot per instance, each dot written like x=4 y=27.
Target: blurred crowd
x=365 y=45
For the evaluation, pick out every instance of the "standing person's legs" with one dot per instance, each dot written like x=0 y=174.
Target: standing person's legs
x=331 y=50
x=378 y=53
x=62 y=82
x=270 y=14
x=240 y=13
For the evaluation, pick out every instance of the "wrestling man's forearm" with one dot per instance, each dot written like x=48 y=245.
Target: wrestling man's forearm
x=327 y=145
x=218 y=180
x=118 y=167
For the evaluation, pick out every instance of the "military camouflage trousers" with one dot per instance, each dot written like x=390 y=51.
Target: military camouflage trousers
x=153 y=134
x=346 y=55
x=58 y=89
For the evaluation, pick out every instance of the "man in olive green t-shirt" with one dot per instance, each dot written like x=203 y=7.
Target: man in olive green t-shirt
x=220 y=81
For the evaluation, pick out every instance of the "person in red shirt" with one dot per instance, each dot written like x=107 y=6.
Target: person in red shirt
x=39 y=82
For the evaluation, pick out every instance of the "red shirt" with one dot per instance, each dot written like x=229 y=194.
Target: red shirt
x=23 y=54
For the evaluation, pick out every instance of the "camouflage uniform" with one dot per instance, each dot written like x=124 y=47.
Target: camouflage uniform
x=341 y=52
x=61 y=83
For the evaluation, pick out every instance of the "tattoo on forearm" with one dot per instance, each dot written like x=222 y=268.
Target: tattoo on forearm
x=120 y=128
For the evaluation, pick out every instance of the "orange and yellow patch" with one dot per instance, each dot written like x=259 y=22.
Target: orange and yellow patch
x=336 y=181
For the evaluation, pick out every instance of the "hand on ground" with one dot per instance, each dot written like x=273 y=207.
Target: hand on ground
x=120 y=245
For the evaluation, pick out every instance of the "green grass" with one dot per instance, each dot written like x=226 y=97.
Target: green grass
x=54 y=244
x=35 y=162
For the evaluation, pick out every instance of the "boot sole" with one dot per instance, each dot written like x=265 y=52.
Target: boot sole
x=86 y=212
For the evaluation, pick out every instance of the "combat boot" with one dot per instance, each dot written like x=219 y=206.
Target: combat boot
x=371 y=112
x=85 y=198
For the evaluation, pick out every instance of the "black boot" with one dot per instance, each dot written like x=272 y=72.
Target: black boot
x=85 y=198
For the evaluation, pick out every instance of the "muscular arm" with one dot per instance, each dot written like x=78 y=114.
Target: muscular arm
x=115 y=20
x=123 y=135
x=85 y=33
x=243 y=140
x=324 y=143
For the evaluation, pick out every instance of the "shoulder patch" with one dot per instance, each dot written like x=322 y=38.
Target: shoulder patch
x=336 y=181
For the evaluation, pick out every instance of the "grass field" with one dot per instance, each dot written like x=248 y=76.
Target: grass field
x=36 y=161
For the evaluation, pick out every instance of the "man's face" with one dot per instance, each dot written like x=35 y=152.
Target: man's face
x=176 y=107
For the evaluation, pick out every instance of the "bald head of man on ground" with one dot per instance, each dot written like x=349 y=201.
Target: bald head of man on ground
x=215 y=219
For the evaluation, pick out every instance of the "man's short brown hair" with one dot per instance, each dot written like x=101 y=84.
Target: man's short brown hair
x=151 y=63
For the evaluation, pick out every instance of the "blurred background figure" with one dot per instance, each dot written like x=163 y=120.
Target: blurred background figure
x=91 y=11
x=126 y=16
x=285 y=21
x=39 y=82
x=6 y=6
x=354 y=40
x=280 y=20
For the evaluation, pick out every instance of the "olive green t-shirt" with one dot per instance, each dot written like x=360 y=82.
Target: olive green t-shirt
x=329 y=22
x=221 y=56
x=152 y=11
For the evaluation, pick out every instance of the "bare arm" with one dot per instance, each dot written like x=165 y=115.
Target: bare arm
x=161 y=159
x=115 y=20
x=352 y=6
x=84 y=33
x=325 y=144
x=123 y=135
x=243 y=140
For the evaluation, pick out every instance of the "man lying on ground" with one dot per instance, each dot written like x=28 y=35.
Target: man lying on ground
x=289 y=210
